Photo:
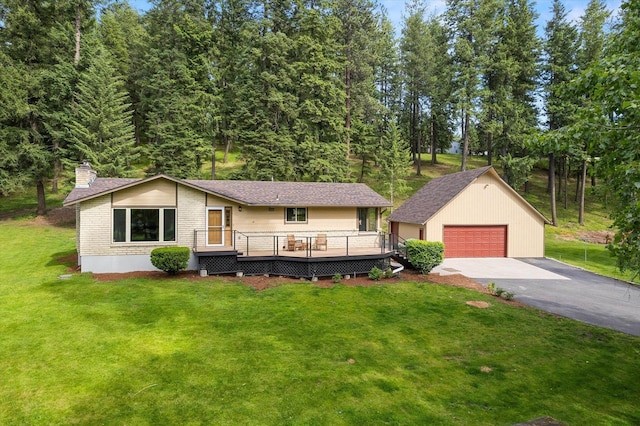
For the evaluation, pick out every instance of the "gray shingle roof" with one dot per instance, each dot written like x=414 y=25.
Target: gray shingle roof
x=312 y=194
x=433 y=196
x=98 y=187
x=256 y=193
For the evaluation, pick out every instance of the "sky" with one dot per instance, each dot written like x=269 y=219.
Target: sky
x=575 y=9
x=395 y=8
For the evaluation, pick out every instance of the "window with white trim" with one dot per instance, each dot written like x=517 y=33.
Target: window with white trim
x=144 y=225
x=296 y=215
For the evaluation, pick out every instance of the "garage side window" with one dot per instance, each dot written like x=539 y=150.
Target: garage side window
x=144 y=225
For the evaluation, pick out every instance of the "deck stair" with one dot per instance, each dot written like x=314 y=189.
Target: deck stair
x=400 y=253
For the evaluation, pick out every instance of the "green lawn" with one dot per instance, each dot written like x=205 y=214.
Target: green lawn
x=592 y=257
x=205 y=351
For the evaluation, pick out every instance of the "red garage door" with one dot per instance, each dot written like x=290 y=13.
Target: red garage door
x=475 y=241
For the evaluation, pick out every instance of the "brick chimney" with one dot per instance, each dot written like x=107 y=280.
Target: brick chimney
x=85 y=175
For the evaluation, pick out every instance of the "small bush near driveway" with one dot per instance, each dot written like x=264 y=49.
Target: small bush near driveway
x=425 y=255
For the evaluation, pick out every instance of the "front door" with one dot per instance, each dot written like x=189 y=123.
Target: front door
x=215 y=226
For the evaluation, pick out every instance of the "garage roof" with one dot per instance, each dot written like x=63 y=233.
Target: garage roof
x=438 y=192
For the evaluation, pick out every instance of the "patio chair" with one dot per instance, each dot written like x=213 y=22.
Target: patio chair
x=321 y=242
x=292 y=243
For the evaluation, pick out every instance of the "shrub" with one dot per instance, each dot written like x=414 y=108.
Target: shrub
x=336 y=278
x=376 y=273
x=170 y=259
x=424 y=255
x=499 y=291
x=388 y=273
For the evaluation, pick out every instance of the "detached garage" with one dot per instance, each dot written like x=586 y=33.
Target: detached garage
x=475 y=214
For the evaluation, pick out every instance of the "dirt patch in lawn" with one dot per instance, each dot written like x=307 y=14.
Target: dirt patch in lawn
x=478 y=304
x=593 y=237
x=596 y=237
x=59 y=216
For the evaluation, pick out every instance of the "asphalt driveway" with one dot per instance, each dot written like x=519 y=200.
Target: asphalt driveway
x=557 y=288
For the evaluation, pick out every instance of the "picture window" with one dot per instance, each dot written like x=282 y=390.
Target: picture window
x=144 y=225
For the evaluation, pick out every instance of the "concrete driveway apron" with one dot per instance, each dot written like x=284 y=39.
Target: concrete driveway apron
x=557 y=288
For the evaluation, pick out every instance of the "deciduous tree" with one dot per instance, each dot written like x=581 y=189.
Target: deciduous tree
x=612 y=86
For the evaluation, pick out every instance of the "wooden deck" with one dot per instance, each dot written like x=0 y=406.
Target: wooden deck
x=335 y=252
x=300 y=263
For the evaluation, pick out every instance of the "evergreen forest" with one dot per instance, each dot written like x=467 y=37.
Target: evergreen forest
x=302 y=90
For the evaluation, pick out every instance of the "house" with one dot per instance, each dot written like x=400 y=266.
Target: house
x=230 y=226
x=475 y=214
x=454 y=148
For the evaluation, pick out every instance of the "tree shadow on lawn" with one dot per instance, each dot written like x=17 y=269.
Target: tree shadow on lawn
x=68 y=258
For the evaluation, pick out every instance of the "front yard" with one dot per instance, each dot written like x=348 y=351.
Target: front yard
x=212 y=351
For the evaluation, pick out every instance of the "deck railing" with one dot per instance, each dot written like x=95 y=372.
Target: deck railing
x=305 y=244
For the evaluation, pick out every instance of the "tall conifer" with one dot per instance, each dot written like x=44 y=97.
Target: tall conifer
x=101 y=128
x=559 y=49
x=177 y=92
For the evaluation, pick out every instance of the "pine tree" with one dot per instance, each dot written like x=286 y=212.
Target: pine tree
x=355 y=42
x=417 y=60
x=471 y=24
x=440 y=90
x=591 y=41
x=318 y=129
x=559 y=48
x=233 y=25
x=101 y=128
x=387 y=73
x=394 y=160
x=510 y=80
x=123 y=36
x=37 y=38
x=177 y=92
x=266 y=137
x=592 y=34
x=20 y=160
